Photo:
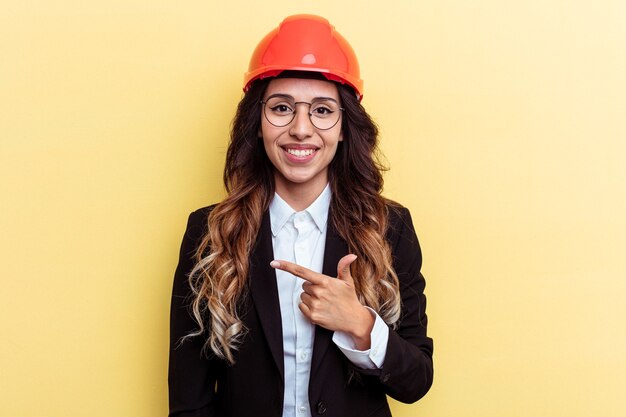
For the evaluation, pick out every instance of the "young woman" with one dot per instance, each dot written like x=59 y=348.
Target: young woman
x=300 y=294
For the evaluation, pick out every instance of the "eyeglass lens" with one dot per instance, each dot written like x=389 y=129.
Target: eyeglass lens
x=323 y=113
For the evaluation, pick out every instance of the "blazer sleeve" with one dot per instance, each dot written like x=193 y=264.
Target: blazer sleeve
x=407 y=373
x=191 y=375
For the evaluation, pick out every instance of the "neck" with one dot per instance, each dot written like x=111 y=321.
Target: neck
x=297 y=196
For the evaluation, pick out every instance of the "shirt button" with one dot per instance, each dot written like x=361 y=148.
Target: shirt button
x=375 y=351
x=302 y=409
x=303 y=356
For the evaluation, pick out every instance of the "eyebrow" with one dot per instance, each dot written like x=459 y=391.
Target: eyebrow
x=287 y=96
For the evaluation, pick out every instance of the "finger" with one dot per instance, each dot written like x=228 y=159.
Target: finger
x=307 y=287
x=299 y=271
x=306 y=311
x=306 y=299
x=343 y=268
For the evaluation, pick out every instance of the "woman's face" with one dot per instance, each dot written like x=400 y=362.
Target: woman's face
x=299 y=151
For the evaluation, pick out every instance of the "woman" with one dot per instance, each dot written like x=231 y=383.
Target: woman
x=300 y=294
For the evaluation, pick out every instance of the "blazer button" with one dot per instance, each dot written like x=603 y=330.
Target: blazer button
x=385 y=377
x=321 y=407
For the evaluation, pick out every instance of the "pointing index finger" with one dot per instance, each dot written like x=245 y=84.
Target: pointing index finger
x=297 y=270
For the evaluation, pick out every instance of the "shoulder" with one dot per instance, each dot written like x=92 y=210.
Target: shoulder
x=401 y=235
x=398 y=218
x=201 y=213
x=197 y=223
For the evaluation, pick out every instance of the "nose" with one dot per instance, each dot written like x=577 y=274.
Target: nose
x=301 y=126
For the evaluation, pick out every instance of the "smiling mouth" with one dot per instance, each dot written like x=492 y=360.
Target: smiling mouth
x=300 y=153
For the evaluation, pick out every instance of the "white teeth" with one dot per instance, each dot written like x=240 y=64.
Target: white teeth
x=300 y=152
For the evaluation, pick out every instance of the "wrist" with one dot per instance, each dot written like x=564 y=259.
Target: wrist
x=362 y=329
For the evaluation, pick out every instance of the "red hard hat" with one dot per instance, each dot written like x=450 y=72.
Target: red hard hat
x=305 y=43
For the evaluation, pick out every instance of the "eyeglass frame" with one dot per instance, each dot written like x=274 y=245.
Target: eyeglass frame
x=293 y=114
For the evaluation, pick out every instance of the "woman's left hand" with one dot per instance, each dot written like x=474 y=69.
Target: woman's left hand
x=333 y=303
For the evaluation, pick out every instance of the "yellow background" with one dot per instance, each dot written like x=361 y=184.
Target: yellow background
x=503 y=124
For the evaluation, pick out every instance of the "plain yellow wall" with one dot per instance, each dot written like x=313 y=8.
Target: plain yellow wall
x=503 y=124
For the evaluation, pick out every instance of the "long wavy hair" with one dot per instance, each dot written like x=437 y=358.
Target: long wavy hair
x=358 y=213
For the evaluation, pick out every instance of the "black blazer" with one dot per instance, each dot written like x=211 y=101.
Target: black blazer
x=201 y=386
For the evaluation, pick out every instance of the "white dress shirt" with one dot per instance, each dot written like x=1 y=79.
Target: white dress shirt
x=300 y=237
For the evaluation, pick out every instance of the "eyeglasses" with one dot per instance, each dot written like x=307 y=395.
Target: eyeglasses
x=280 y=110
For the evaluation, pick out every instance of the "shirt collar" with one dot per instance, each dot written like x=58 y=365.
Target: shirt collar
x=280 y=211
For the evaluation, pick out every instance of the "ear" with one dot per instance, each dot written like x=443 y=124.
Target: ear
x=341 y=136
x=259 y=133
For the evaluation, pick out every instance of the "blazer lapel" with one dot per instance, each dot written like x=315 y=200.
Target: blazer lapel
x=335 y=249
x=264 y=291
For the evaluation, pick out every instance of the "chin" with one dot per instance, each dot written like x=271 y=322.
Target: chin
x=299 y=179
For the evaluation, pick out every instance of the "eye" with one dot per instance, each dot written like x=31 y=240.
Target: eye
x=281 y=108
x=322 y=110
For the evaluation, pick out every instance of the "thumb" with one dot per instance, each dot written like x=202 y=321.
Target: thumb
x=343 y=268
